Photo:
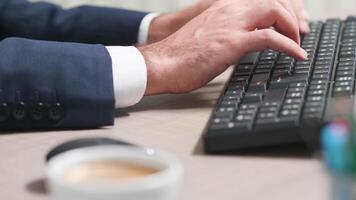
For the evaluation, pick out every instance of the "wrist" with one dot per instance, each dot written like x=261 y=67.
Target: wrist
x=162 y=63
x=154 y=77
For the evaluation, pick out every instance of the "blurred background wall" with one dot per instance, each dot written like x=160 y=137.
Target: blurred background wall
x=318 y=8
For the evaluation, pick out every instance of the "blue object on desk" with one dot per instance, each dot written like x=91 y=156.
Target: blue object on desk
x=335 y=140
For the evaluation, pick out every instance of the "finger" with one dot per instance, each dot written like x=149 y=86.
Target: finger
x=283 y=21
x=304 y=27
x=303 y=18
x=269 y=39
x=302 y=14
x=289 y=15
x=290 y=7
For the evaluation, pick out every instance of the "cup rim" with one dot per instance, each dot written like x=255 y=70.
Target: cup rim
x=172 y=172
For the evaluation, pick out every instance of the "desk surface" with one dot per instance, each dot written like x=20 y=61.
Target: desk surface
x=173 y=123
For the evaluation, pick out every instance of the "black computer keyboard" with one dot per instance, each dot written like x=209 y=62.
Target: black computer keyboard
x=273 y=99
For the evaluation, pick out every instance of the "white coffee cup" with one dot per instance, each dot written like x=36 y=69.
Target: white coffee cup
x=163 y=185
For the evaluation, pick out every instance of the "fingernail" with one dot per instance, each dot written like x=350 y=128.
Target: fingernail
x=304 y=27
x=304 y=15
x=304 y=54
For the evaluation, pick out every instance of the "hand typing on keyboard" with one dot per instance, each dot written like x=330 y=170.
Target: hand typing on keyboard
x=217 y=38
x=273 y=99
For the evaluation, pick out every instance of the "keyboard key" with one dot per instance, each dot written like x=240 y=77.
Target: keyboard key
x=313 y=104
x=226 y=115
x=294 y=95
x=293 y=101
x=313 y=111
x=289 y=113
x=344 y=73
x=284 y=81
x=268 y=109
x=278 y=123
x=315 y=98
x=345 y=68
x=297 y=85
x=244 y=118
x=269 y=115
x=346 y=64
x=246 y=112
x=240 y=127
x=347 y=59
x=237 y=93
x=226 y=109
x=259 y=83
x=322 y=67
x=231 y=97
x=275 y=95
x=248 y=107
x=347 y=54
x=297 y=89
x=320 y=77
x=343 y=83
x=318 y=87
x=262 y=71
x=220 y=120
x=252 y=98
x=242 y=73
x=251 y=58
x=302 y=72
x=229 y=103
x=245 y=67
x=344 y=78
x=317 y=92
x=342 y=91
x=325 y=63
x=322 y=71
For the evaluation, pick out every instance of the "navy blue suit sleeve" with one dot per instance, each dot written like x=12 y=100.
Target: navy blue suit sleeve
x=85 y=24
x=54 y=85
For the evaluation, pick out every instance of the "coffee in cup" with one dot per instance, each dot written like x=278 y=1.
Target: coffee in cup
x=107 y=171
x=114 y=172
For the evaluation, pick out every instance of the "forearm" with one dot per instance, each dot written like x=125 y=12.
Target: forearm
x=86 y=24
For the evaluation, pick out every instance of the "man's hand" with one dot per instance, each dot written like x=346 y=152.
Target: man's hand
x=165 y=25
x=210 y=43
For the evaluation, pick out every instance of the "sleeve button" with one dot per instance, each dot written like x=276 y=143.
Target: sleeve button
x=55 y=112
x=19 y=112
x=37 y=112
x=5 y=112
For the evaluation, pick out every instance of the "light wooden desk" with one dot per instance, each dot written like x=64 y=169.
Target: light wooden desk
x=173 y=123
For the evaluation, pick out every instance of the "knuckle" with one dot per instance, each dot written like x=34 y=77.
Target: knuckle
x=273 y=7
x=223 y=40
x=266 y=35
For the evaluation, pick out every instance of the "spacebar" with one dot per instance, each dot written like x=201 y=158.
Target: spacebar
x=283 y=82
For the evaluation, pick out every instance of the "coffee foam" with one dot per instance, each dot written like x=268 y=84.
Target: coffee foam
x=107 y=171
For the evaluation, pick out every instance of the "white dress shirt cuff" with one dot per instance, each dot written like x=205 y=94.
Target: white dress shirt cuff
x=144 y=28
x=129 y=75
